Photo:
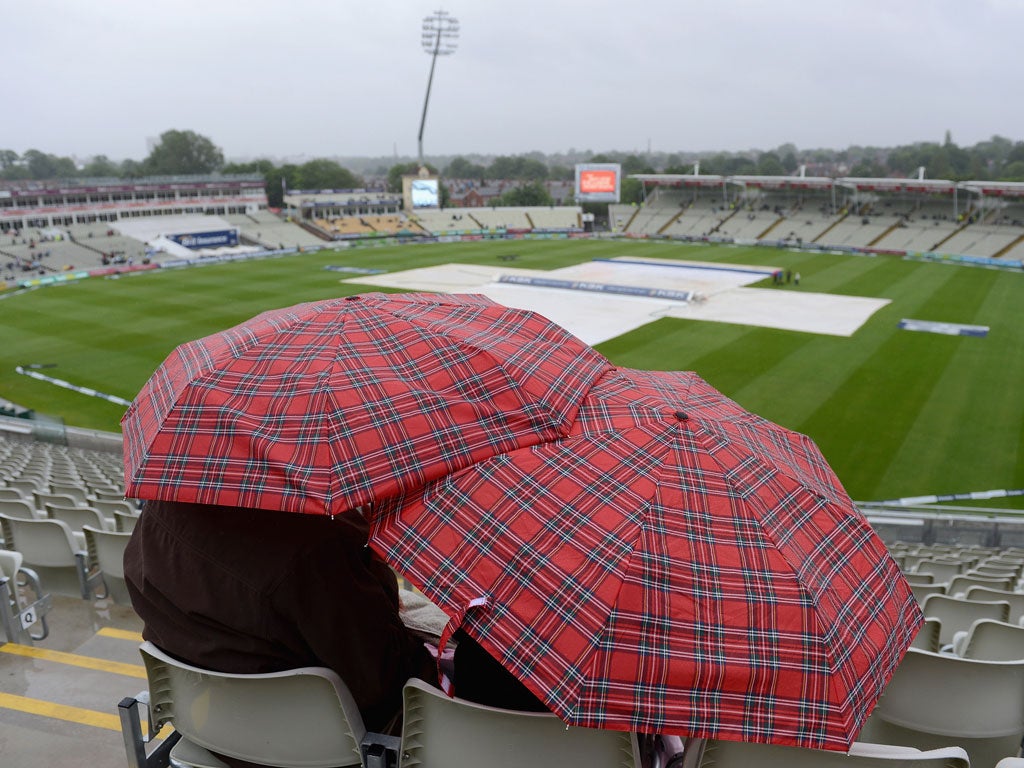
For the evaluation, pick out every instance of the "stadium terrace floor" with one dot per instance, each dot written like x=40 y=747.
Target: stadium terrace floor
x=59 y=696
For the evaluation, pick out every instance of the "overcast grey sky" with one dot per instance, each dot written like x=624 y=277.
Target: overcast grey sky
x=320 y=78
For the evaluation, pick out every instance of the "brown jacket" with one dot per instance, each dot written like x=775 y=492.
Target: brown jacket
x=243 y=590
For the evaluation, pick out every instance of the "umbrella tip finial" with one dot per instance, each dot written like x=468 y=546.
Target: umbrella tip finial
x=682 y=416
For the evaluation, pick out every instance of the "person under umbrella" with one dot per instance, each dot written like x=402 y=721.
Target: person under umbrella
x=316 y=411
x=675 y=565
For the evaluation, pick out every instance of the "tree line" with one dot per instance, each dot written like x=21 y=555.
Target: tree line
x=187 y=153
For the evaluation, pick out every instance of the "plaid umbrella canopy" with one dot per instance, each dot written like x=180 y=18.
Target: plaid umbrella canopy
x=674 y=565
x=328 y=405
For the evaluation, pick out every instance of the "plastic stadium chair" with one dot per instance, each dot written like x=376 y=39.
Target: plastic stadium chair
x=959 y=585
x=928 y=638
x=738 y=754
x=49 y=548
x=78 y=517
x=942 y=571
x=16 y=613
x=43 y=498
x=109 y=506
x=27 y=485
x=18 y=508
x=937 y=700
x=75 y=491
x=1015 y=599
x=300 y=717
x=997 y=569
x=125 y=523
x=957 y=614
x=922 y=591
x=919 y=578
x=990 y=640
x=106 y=552
x=443 y=732
x=15 y=494
x=107 y=494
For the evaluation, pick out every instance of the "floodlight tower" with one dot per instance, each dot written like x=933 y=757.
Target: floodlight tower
x=440 y=38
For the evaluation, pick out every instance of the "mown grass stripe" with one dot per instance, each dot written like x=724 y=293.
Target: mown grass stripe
x=880 y=400
x=960 y=425
x=75 y=660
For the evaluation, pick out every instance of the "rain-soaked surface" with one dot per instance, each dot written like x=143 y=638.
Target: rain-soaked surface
x=59 y=695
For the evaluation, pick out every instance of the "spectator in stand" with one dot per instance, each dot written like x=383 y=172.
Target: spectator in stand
x=250 y=590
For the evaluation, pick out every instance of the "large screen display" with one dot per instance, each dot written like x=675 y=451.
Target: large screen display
x=598 y=182
x=424 y=193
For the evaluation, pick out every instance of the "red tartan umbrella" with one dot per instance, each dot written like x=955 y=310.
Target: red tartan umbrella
x=329 y=405
x=675 y=565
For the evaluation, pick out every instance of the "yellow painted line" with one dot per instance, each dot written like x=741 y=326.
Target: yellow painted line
x=64 y=712
x=60 y=712
x=120 y=634
x=74 y=660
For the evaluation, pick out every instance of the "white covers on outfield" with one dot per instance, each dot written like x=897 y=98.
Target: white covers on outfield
x=597 y=317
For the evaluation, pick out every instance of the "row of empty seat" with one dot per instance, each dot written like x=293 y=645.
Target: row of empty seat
x=65 y=520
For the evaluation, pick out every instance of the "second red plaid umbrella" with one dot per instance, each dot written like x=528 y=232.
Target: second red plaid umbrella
x=329 y=405
x=674 y=565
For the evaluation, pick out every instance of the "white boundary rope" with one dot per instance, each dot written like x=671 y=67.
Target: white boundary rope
x=911 y=501
x=73 y=387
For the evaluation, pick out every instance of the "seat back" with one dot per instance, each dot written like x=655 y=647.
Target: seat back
x=49 y=548
x=959 y=585
x=18 y=508
x=14 y=494
x=738 y=754
x=109 y=506
x=10 y=562
x=942 y=571
x=106 y=549
x=107 y=494
x=995 y=641
x=956 y=613
x=927 y=638
x=45 y=497
x=922 y=591
x=987 y=594
x=999 y=570
x=919 y=578
x=937 y=699
x=443 y=732
x=44 y=543
x=75 y=491
x=76 y=517
x=124 y=523
x=27 y=485
x=300 y=717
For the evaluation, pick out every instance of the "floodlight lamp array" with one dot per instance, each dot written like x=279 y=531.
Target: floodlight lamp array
x=440 y=34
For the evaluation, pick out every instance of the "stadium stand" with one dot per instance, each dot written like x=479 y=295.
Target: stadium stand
x=274 y=232
x=445 y=221
x=748 y=223
x=659 y=210
x=499 y=218
x=619 y=216
x=891 y=215
x=698 y=219
x=345 y=226
x=981 y=240
x=554 y=218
